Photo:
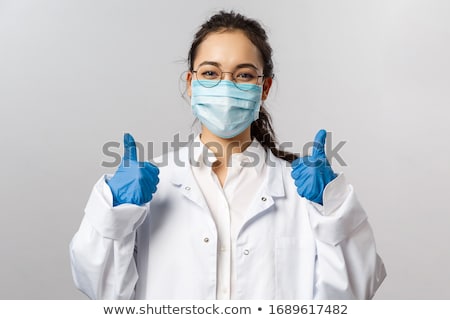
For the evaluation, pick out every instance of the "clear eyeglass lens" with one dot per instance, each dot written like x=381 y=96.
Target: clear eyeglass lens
x=210 y=76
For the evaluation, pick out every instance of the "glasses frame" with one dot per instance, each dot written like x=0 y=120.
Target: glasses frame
x=232 y=77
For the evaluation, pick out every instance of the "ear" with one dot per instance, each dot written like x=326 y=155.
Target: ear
x=188 y=83
x=266 y=88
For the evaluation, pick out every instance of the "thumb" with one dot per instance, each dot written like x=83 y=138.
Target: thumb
x=319 y=144
x=129 y=147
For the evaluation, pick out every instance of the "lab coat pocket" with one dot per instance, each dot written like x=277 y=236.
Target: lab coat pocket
x=294 y=268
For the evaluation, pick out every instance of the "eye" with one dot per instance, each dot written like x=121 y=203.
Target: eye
x=209 y=74
x=246 y=75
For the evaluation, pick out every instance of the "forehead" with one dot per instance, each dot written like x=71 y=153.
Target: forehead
x=228 y=48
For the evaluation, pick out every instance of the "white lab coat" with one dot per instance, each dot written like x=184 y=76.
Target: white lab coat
x=288 y=247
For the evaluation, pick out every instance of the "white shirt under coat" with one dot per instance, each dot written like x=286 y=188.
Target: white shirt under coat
x=280 y=245
x=229 y=203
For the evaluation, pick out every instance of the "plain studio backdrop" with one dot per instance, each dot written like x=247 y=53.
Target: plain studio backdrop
x=77 y=74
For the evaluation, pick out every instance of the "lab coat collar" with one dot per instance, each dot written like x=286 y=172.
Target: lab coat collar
x=253 y=156
x=182 y=176
x=182 y=173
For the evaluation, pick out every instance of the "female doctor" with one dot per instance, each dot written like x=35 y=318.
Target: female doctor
x=233 y=217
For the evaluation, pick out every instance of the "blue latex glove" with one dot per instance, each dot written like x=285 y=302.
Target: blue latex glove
x=313 y=173
x=134 y=182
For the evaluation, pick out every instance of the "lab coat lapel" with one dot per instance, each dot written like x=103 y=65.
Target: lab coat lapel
x=273 y=187
x=184 y=180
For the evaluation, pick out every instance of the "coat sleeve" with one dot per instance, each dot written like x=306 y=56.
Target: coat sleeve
x=347 y=265
x=102 y=250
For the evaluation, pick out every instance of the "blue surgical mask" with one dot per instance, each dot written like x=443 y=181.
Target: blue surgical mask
x=225 y=109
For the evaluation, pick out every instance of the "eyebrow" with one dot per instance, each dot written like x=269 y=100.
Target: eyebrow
x=241 y=65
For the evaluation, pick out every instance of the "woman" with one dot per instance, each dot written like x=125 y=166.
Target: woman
x=232 y=219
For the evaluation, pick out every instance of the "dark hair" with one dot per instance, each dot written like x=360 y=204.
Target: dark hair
x=261 y=128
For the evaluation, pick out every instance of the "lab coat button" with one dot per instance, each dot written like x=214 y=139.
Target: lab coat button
x=263 y=198
x=206 y=240
x=187 y=188
x=246 y=252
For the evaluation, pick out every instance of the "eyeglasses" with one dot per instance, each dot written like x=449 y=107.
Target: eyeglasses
x=209 y=76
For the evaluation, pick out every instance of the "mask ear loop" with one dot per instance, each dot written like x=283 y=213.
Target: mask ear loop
x=182 y=87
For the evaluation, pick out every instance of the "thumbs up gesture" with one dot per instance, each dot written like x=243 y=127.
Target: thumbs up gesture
x=313 y=173
x=134 y=182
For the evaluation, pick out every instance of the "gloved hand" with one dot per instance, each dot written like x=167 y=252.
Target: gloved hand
x=313 y=173
x=134 y=182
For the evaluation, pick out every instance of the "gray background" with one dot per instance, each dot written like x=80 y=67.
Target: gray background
x=77 y=74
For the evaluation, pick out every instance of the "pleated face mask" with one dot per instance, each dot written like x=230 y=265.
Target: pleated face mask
x=225 y=109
